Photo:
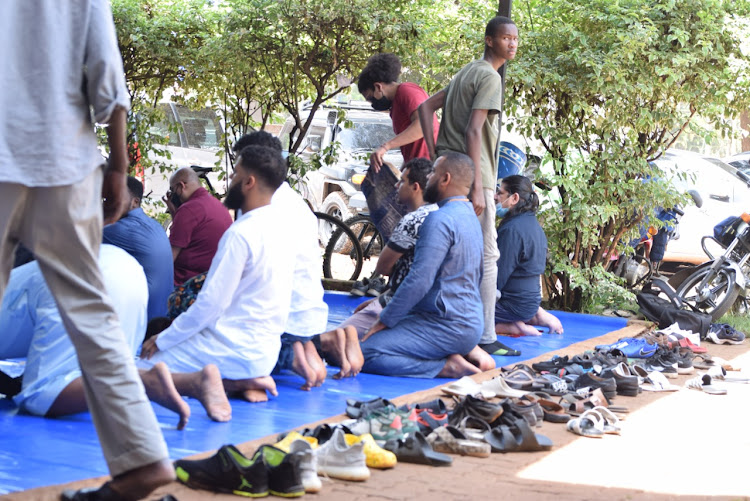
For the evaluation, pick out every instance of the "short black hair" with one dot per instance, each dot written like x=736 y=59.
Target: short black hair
x=460 y=166
x=494 y=25
x=135 y=187
x=257 y=138
x=384 y=67
x=265 y=163
x=419 y=169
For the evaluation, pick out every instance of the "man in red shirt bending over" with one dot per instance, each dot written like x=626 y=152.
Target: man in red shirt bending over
x=378 y=83
x=198 y=222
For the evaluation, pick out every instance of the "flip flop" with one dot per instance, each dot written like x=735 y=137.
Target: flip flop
x=499 y=387
x=656 y=381
x=585 y=426
x=466 y=386
x=518 y=438
x=704 y=383
x=415 y=449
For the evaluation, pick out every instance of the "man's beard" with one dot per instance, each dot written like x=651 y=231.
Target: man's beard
x=234 y=198
x=431 y=194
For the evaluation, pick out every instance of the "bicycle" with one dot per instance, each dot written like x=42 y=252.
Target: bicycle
x=347 y=262
x=364 y=232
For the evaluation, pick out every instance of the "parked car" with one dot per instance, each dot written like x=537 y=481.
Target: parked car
x=335 y=189
x=740 y=161
x=724 y=194
x=198 y=142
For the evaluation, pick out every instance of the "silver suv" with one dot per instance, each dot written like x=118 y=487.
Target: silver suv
x=335 y=189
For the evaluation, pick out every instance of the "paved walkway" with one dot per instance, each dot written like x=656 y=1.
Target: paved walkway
x=687 y=444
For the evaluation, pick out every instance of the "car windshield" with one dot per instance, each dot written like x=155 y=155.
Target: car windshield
x=365 y=135
x=202 y=128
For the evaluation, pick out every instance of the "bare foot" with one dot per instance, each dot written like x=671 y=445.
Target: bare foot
x=457 y=366
x=547 y=319
x=528 y=330
x=161 y=389
x=301 y=367
x=315 y=362
x=256 y=389
x=353 y=350
x=333 y=344
x=212 y=396
x=480 y=358
x=140 y=482
x=515 y=329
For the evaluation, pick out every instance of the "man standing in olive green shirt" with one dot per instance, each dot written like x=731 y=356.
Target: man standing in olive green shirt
x=471 y=104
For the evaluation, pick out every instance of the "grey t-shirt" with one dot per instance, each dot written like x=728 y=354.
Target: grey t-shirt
x=477 y=86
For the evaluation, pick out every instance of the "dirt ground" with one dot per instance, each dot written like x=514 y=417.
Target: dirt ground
x=687 y=445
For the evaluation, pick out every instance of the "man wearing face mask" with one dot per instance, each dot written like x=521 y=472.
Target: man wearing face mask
x=378 y=83
x=198 y=222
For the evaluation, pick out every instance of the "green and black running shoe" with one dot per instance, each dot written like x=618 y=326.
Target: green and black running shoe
x=227 y=471
x=284 y=473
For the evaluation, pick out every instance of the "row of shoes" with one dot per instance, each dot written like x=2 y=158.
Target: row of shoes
x=289 y=468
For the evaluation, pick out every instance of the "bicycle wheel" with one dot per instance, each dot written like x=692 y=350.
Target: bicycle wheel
x=345 y=264
x=717 y=297
x=368 y=235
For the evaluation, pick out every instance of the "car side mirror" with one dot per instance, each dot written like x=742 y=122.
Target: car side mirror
x=314 y=143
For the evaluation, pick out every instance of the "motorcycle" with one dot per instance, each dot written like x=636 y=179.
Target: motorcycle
x=639 y=267
x=715 y=286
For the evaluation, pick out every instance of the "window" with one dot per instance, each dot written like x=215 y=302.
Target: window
x=202 y=128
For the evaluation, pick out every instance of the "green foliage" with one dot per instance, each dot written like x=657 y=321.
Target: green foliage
x=606 y=87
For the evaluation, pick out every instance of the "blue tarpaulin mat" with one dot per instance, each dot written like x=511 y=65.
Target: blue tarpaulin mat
x=36 y=451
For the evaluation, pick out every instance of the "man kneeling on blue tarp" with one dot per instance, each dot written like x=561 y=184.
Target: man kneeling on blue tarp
x=432 y=325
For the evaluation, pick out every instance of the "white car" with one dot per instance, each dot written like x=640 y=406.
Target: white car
x=199 y=142
x=724 y=194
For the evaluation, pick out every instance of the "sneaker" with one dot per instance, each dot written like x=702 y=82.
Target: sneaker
x=285 y=443
x=227 y=471
x=608 y=385
x=627 y=382
x=337 y=459
x=376 y=286
x=375 y=456
x=284 y=473
x=308 y=464
x=725 y=333
x=386 y=424
x=631 y=347
x=359 y=288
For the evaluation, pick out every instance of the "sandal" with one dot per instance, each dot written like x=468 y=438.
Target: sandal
x=356 y=409
x=474 y=428
x=656 y=381
x=517 y=438
x=498 y=387
x=415 y=449
x=608 y=422
x=520 y=379
x=450 y=439
x=586 y=426
x=704 y=383
x=488 y=412
x=466 y=386
x=576 y=404
x=553 y=385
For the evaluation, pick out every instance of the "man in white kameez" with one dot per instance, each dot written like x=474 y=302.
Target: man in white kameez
x=238 y=318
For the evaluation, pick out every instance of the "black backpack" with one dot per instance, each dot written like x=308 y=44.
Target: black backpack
x=665 y=312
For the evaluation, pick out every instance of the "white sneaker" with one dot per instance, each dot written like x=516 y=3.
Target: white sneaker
x=308 y=465
x=337 y=459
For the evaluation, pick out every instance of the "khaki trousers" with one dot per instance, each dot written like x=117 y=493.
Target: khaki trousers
x=488 y=287
x=62 y=226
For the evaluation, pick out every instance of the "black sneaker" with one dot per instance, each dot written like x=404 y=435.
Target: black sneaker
x=284 y=475
x=227 y=471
